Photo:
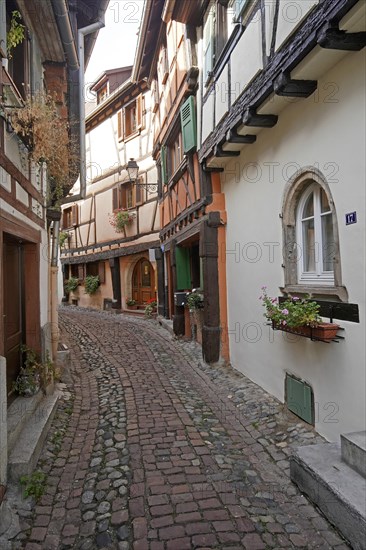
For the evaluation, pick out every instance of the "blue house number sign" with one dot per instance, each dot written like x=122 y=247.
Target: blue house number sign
x=351 y=218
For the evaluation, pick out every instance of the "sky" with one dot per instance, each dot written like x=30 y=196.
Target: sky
x=116 y=42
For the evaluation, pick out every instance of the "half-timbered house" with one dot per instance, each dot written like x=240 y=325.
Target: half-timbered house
x=282 y=116
x=97 y=241
x=192 y=208
x=38 y=46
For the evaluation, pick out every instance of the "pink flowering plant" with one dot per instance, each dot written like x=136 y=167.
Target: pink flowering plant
x=292 y=312
x=120 y=218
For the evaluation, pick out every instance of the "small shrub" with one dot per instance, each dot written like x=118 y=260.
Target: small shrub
x=34 y=484
x=72 y=284
x=91 y=284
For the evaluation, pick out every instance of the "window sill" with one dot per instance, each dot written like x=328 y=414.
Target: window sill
x=178 y=173
x=131 y=136
x=339 y=293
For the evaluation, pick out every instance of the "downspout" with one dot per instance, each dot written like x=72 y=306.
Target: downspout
x=81 y=34
x=54 y=285
x=61 y=13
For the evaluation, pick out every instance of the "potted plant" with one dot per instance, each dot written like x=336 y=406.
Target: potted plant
x=299 y=316
x=150 y=309
x=91 y=284
x=71 y=284
x=120 y=218
x=131 y=304
x=195 y=306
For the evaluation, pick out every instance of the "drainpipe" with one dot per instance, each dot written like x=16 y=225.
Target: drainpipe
x=54 y=332
x=61 y=13
x=81 y=34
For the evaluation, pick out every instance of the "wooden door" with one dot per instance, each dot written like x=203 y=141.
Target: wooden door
x=13 y=300
x=143 y=283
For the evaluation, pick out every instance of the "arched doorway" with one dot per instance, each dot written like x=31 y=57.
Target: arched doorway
x=143 y=282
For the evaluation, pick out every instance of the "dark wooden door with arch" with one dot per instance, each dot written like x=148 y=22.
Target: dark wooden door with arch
x=143 y=282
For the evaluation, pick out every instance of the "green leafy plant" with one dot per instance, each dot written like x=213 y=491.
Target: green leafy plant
x=63 y=237
x=150 y=308
x=194 y=300
x=29 y=379
x=91 y=284
x=72 y=284
x=16 y=32
x=120 y=218
x=34 y=484
x=130 y=302
x=292 y=312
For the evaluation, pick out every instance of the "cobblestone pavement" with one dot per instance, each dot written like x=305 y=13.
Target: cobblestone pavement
x=153 y=450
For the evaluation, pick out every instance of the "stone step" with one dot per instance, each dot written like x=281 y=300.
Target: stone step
x=353 y=449
x=25 y=453
x=18 y=415
x=339 y=491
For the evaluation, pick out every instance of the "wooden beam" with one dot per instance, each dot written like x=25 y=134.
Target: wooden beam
x=251 y=118
x=219 y=152
x=334 y=39
x=284 y=85
x=232 y=136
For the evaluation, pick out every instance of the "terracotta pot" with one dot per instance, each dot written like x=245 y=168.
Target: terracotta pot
x=324 y=331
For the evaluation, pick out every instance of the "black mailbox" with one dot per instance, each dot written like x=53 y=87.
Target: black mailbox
x=180 y=298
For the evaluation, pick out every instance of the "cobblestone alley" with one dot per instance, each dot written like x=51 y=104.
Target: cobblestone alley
x=151 y=449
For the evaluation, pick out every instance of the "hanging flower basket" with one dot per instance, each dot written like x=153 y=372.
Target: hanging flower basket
x=120 y=218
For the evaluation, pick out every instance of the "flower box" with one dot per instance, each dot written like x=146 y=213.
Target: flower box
x=324 y=332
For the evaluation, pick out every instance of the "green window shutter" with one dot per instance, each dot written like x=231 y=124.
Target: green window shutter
x=188 y=123
x=183 y=268
x=299 y=399
x=209 y=44
x=164 y=172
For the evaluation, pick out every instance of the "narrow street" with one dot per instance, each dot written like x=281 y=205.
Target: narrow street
x=152 y=450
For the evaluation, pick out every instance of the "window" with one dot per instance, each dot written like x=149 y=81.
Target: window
x=314 y=227
x=70 y=217
x=131 y=119
x=19 y=61
x=216 y=31
x=175 y=154
x=128 y=196
x=102 y=94
x=311 y=243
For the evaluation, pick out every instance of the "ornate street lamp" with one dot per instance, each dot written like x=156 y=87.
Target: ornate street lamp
x=133 y=172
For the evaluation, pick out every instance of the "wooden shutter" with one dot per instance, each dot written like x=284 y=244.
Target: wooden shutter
x=140 y=112
x=165 y=65
x=123 y=197
x=101 y=272
x=164 y=171
x=115 y=198
x=139 y=193
x=120 y=125
x=188 y=123
x=209 y=44
x=81 y=272
x=155 y=96
x=74 y=214
x=183 y=268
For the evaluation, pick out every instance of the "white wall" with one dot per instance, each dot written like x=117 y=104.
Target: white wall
x=327 y=133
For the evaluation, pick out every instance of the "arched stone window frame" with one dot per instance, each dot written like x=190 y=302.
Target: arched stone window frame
x=293 y=193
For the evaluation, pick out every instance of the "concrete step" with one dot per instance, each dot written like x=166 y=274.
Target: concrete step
x=18 y=415
x=339 y=491
x=25 y=453
x=353 y=450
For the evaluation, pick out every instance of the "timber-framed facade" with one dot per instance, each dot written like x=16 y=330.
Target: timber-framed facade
x=118 y=129
x=192 y=208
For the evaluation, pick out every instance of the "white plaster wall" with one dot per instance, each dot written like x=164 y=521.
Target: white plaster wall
x=208 y=116
x=103 y=148
x=290 y=16
x=222 y=95
x=330 y=136
x=246 y=59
